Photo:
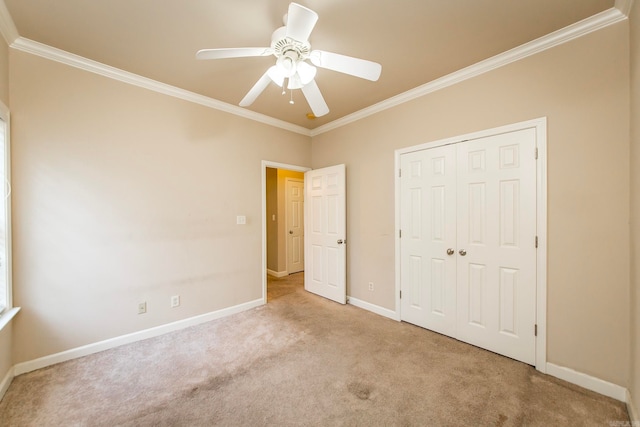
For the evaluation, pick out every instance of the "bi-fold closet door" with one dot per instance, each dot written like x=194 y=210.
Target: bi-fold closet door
x=467 y=247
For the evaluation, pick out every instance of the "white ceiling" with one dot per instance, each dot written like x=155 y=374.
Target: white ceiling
x=416 y=41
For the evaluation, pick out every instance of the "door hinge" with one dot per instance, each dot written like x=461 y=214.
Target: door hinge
x=400 y=234
x=536 y=153
x=399 y=173
x=400 y=294
x=536 y=241
x=535 y=330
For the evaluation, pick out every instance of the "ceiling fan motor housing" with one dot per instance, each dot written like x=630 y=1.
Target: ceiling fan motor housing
x=286 y=46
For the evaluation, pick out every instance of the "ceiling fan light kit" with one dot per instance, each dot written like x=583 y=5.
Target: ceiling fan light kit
x=290 y=45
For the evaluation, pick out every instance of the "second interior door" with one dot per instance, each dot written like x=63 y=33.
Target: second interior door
x=294 y=213
x=325 y=233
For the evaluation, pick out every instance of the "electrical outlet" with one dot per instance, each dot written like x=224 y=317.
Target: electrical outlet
x=371 y=286
x=175 y=301
x=142 y=308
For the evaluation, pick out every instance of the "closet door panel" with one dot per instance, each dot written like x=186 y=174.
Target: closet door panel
x=428 y=224
x=496 y=282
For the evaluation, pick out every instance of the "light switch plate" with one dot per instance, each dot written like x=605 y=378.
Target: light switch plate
x=241 y=220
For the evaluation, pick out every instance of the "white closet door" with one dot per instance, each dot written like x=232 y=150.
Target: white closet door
x=428 y=212
x=477 y=198
x=496 y=259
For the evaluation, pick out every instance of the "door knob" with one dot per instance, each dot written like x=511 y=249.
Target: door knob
x=450 y=251
x=341 y=241
x=462 y=252
x=290 y=231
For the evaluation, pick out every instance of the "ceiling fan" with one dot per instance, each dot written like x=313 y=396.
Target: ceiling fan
x=290 y=45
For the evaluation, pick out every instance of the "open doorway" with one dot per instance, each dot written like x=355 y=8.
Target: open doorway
x=283 y=223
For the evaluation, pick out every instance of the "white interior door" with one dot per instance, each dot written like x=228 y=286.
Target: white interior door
x=496 y=233
x=428 y=189
x=468 y=255
x=294 y=213
x=325 y=233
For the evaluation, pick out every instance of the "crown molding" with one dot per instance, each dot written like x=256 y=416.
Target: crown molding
x=624 y=6
x=609 y=17
x=58 y=55
x=571 y=32
x=7 y=27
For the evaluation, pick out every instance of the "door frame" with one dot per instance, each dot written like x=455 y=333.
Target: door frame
x=263 y=171
x=540 y=126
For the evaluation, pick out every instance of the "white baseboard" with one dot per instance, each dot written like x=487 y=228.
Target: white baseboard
x=634 y=417
x=6 y=382
x=373 y=308
x=277 y=273
x=85 y=350
x=586 y=381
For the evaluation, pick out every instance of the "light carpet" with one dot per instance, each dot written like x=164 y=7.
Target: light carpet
x=300 y=360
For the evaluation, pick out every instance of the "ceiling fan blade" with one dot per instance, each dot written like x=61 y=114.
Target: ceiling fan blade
x=346 y=64
x=237 y=52
x=256 y=90
x=312 y=93
x=300 y=22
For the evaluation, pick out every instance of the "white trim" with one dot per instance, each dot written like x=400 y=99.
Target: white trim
x=624 y=6
x=263 y=170
x=397 y=213
x=631 y=409
x=587 y=381
x=277 y=273
x=72 y=60
x=5 y=116
x=373 y=308
x=85 y=350
x=571 y=32
x=6 y=381
x=541 y=232
x=6 y=316
x=7 y=26
x=540 y=125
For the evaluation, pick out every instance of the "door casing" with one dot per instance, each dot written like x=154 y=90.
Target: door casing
x=540 y=126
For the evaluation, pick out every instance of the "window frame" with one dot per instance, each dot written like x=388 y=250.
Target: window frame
x=8 y=311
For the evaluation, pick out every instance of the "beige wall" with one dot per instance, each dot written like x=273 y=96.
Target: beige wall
x=6 y=361
x=272 y=226
x=124 y=195
x=635 y=204
x=6 y=345
x=4 y=72
x=582 y=87
x=6 y=351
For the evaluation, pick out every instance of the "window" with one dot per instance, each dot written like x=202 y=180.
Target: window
x=5 y=218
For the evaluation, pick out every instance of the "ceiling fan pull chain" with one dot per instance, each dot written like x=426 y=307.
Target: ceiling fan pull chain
x=291 y=101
